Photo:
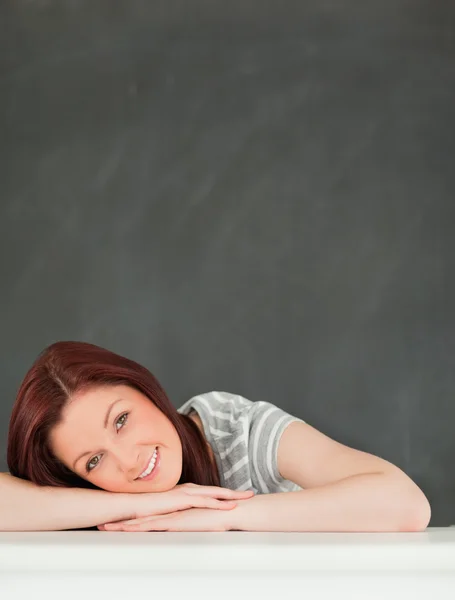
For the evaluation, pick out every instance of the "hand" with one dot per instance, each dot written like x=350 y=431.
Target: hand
x=192 y=519
x=182 y=497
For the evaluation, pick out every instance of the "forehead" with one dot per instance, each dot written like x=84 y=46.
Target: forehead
x=100 y=398
x=84 y=414
x=83 y=417
x=96 y=397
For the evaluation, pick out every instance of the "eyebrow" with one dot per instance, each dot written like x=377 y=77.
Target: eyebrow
x=106 y=420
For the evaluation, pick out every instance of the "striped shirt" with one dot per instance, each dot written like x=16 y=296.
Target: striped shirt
x=244 y=436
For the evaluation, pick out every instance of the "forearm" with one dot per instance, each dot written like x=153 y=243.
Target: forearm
x=25 y=506
x=367 y=502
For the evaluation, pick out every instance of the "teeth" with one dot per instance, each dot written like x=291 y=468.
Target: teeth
x=149 y=469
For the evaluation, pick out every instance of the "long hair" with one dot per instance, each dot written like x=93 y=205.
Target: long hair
x=62 y=370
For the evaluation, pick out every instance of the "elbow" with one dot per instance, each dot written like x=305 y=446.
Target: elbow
x=418 y=512
x=422 y=516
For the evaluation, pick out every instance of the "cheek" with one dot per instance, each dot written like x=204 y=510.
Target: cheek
x=111 y=480
x=156 y=428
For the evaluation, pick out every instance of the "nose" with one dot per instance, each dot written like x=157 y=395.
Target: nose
x=127 y=459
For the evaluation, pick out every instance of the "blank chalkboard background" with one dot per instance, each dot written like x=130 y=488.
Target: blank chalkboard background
x=249 y=196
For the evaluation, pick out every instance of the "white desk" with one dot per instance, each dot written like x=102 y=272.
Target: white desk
x=114 y=565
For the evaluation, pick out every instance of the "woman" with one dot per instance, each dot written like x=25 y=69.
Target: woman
x=94 y=441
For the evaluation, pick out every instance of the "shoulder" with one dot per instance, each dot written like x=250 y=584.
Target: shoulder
x=224 y=401
x=225 y=406
x=217 y=403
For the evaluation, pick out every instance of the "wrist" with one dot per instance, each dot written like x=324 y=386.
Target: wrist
x=126 y=505
x=237 y=517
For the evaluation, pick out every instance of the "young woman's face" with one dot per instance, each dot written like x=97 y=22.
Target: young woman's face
x=109 y=435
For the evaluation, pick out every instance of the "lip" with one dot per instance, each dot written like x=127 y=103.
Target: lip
x=155 y=470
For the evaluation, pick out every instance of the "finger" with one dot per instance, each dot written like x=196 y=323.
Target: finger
x=112 y=528
x=147 y=527
x=227 y=494
x=237 y=494
x=118 y=525
x=219 y=492
x=216 y=504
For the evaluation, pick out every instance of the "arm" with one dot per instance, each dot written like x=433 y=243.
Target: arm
x=368 y=502
x=344 y=490
x=25 y=506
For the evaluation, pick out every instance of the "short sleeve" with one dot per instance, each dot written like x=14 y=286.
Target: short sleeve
x=267 y=423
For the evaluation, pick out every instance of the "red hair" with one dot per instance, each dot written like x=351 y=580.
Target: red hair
x=64 y=369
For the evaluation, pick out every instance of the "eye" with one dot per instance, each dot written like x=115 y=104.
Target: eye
x=122 y=421
x=88 y=466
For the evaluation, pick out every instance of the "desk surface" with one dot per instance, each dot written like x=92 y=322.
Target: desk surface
x=432 y=550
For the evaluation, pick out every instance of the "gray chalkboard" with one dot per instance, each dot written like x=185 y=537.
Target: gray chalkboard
x=246 y=196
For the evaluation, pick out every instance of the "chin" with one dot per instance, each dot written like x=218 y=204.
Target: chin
x=164 y=486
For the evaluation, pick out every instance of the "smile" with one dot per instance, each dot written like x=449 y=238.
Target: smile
x=150 y=467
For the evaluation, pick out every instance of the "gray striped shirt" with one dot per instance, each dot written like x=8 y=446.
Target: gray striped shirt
x=244 y=436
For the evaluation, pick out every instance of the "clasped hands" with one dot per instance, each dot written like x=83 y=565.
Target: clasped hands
x=186 y=507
